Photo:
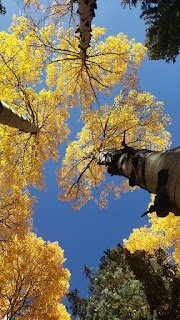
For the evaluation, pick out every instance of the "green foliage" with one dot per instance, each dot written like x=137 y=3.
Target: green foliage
x=2 y=8
x=129 y=286
x=163 y=32
x=160 y=280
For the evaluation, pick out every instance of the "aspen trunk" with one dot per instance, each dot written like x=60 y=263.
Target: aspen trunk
x=12 y=119
x=86 y=12
x=157 y=172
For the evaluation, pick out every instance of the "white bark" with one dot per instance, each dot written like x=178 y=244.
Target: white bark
x=86 y=12
x=12 y=119
x=156 y=172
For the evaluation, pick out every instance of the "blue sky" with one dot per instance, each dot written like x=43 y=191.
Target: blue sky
x=85 y=234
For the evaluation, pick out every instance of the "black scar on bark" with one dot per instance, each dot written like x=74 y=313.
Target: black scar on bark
x=138 y=164
x=112 y=164
x=162 y=203
x=162 y=179
x=133 y=180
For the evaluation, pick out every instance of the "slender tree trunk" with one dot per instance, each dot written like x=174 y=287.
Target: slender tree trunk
x=12 y=119
x=157 y=172
x=86 y=12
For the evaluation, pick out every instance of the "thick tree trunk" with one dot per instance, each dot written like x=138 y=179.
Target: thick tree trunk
x=86 y=12
x=156 y=172
x=12 y=119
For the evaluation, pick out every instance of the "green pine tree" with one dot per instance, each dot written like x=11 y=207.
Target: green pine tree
x=129 y=287
x=162 y=18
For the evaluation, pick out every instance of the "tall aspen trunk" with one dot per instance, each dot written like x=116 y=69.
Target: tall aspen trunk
x=86 y=12
x=157 y=172
x=12 y=119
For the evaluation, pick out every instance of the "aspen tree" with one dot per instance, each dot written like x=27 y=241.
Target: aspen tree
x=157 y=172
x=38 y=115
x=86 y=159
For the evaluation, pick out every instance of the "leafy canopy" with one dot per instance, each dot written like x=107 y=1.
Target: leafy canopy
x=162 y=233
x=29 y=267
x=30 y=54
x=28 y=264
x=21 y=68
x=15 y=214
x=27 y=53
x=108 y=62
x=136 y=112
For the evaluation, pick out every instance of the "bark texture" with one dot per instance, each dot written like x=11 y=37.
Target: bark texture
x=12 y=119
x=86 y=11
x=155 y=171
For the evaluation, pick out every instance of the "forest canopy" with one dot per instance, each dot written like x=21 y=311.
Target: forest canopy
x=70 y=93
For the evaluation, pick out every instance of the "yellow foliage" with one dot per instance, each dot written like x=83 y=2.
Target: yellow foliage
x=20 y=58
x=35 y=3
x=21 y=66
x=50 y=11
x=107 y=63
x=26 y=52
x=103 y=130
x=32 y=281
x=28 y=265
x=23 y=154
x=15 y=214
x=162 y=233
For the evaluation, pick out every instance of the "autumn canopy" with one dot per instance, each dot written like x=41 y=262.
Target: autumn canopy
x=48 y=73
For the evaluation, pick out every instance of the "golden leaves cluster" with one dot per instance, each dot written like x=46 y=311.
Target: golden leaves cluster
x=28 y=264
x=162 y=233
x=32 y=280
x=23 y=154
x=21 y=68
x=50 y=10
x=107 y=63
x=15 y=214
x=135 y=112
x=27 y=51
